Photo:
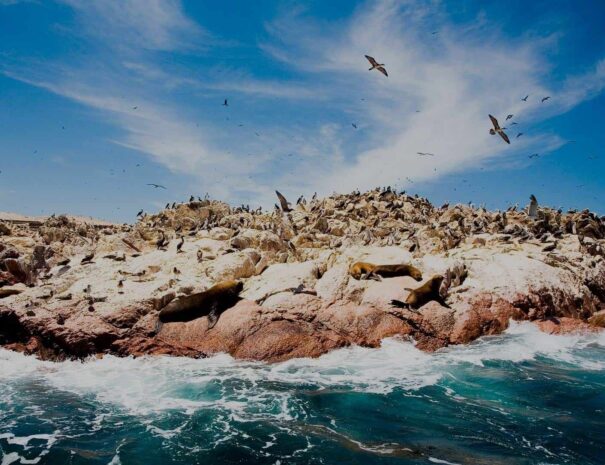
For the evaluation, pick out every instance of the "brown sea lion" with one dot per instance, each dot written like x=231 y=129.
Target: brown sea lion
x=369 y=270
x=423 y=294
x=210 y=303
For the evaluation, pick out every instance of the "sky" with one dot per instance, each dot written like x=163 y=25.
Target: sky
x=100 y=98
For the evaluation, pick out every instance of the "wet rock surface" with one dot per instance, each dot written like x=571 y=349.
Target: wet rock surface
x=74 y=289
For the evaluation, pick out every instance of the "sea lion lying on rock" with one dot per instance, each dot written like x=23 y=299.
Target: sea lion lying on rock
x=210 y=303
x=431 y=290
x=369 y=270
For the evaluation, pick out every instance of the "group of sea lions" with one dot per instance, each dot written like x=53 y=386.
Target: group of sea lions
x=224 y=295
x=430 y=290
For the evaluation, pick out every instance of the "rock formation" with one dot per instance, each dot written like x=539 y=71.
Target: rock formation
x=298 y=299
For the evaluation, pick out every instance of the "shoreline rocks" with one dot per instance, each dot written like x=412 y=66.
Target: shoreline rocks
x=299 y=299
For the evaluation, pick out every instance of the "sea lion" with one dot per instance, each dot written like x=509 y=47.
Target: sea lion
x=368 y=270
x=423 y=294
x=210 y=303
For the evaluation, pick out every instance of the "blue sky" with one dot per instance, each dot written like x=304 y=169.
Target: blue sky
x=99 y=98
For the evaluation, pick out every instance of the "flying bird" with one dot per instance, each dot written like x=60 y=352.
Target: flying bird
x=156 y=186
x=545 y=98
x=285 y=205
x=425 y=154
x=225 y=103
x=509 y=117
x=519 y=135
x=498 y=130
x=376 y=65
x=534 y=155
x=525 y=98
x=354 y=125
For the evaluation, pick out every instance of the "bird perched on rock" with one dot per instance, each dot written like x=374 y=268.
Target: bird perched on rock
x=376 y=65
x=87 y=259
x=179 y=246
x=140 y=213
x=161 y=243
x=121 y=286
x=498 y=130
x=533 y=206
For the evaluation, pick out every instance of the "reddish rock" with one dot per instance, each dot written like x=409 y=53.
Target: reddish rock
x=565 y=325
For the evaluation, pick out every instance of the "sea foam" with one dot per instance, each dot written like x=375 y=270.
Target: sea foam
x=150 y=384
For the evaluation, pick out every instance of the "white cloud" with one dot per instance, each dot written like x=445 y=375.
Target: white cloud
x=149 y=24
x=455 y=78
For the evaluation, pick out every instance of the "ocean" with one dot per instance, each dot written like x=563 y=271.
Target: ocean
x=523 y=397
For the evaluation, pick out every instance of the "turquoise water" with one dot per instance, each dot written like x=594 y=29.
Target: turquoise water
x=520 y=398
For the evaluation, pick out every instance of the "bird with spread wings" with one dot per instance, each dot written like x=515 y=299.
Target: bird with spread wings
x=376 y=65
x=498 y=130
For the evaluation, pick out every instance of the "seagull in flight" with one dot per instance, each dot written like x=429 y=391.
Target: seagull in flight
x=376 y=65
x=545 y=98
x=519 y=135
x=425 y=154
x=156 y=186
x=225 y=103
x=354 y=125
x=525 y=98
x=285 y=205
x=509 y=117
x=534 y=155
x=498 y=130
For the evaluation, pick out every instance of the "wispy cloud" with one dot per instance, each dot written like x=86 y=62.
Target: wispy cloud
x=440 y=89
x=453 y=78
x=146 y=24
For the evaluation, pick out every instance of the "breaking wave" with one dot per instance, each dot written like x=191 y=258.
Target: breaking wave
x=255 y=406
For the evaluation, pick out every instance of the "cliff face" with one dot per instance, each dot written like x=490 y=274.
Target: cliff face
x=499 y=265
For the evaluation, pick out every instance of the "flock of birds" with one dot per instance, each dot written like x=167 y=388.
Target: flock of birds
x=495 y=130
x=380 y=67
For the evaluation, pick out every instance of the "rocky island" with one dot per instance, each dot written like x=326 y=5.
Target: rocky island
x=71 y=288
